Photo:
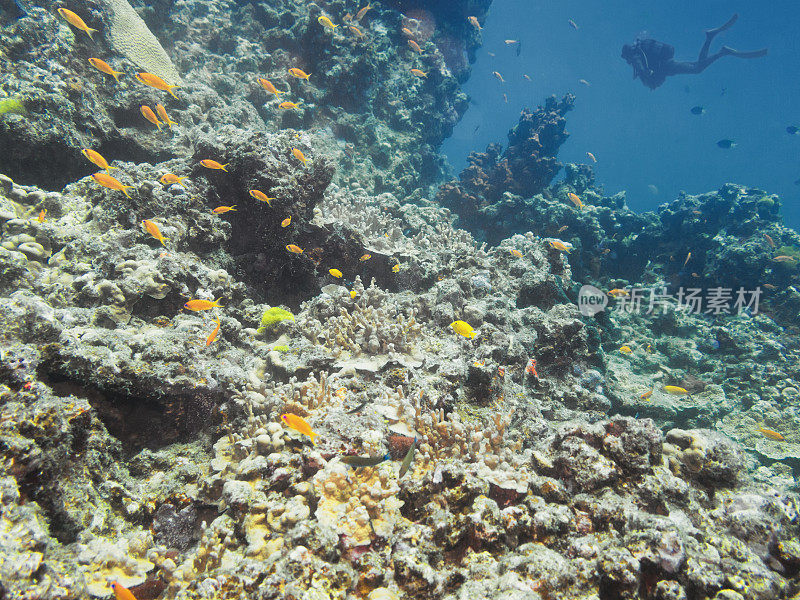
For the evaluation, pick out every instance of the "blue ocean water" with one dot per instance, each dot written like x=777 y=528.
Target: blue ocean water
x=647 y=142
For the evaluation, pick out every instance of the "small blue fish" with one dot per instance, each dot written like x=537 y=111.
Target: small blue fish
x=726 y=143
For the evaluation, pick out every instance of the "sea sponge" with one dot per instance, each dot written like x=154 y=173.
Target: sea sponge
x=273 y=316
x=130 y=36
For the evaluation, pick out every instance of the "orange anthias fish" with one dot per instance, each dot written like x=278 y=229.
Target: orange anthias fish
x=212 y=164
x=360 y=14
x=773 y=435
x=618 y=293
x=213 y=335
x=355 y=31
x=299 y=155
x=148 y=114
x=575 y=200
x=299 y=73
x=770 y=241
x=104 y=67
x=415 y=46
x=267 y=85
x=474 y=22
x=288 y=104
x=783 y=258
x=223 y=209
x=418 y=73
x=162 y=112
x=406 y=31
x=590 y=155
x=688 y=256
x=259 y=195
x=515 y=252
x=42 y=215
x=153 y=230
x=198 y=305
x=294 y=249
x=155 y=81
x=531 y=368
x=286 y=222
x=300 y=425
x=499 y=77
x=170 y=178
x=365 y=257
x=111 y=183
x=74 y=20
x=646 y=395
x=121 y=593
x=96 y=158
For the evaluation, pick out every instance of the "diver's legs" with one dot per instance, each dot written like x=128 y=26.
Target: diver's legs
x=678 y=68
x=711 y=33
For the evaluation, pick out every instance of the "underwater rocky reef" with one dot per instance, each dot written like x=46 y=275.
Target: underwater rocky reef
x=379 y=383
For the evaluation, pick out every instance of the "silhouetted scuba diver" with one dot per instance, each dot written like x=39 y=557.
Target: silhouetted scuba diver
x=653 y=62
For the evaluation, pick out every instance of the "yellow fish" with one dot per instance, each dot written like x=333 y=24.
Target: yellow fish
x=267 y=85
x=104 y=67
x=326 y=22
x=74 y=20
x=259 y=195
x=625 y=349
x=396 y=268
x=223 y=209
x=111 y=183
x=153 y=230
x=463 y=328
x=335 y=272
x=299 y=155
x=96 y=158
x=575 y=200
x=162 y=112
x=300 y=425
x=771 y=434
x=155 y=81
x=353 y=294
x=515 y=252
x=418 y=73
x=365 y=257
x=212 y=164
x=42 y=215
x=675 y=390
x=288 y=104
x=213 y=335
x=198 y=305
x=148 y=114
x=121 y=592
x=294 y=249
x=561 y=246
x=286 y=222
x=299 y=73
x=170 y=178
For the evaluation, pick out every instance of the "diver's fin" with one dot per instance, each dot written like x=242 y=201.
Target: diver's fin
x=728 y=24
x=726 y=50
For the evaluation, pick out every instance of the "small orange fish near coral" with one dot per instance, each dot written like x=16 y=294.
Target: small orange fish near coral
x=360 y=14
x=769 y=433
x=96 y=158
x=299 y=155
x=120 y=592
x=474 y=22
x=575 y=200
x=170 y=178
x=267 y=85
x=365 y=257
x=153 y=230
x=148 y=114
x=162 y=112
x=42 y=215
x=259 y=195
x=155 y=81
x=198 y=305
x=355 y=31
x=104 y=67
x=223 y=209
x=74 y=20
x=783 y=258
x=287 y=104
x=646 y=395
x=418 y=73
x=415 y=46
x=531 y=368
x=300 y=425
x=590 y=155
x=618 y=293
x=625 y=349
x=294 y=249
x=111 y=183
x=213 y=335
x=299 y=73
x=396 y=268
x=770 y=241
x=406 y=31
x=212 y=164
x=286 y=222
x=515 y=252
x=562 y=229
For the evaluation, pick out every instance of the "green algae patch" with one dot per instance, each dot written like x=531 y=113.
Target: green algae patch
x=12 y=106
x=272 y=317
x=281 y=349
